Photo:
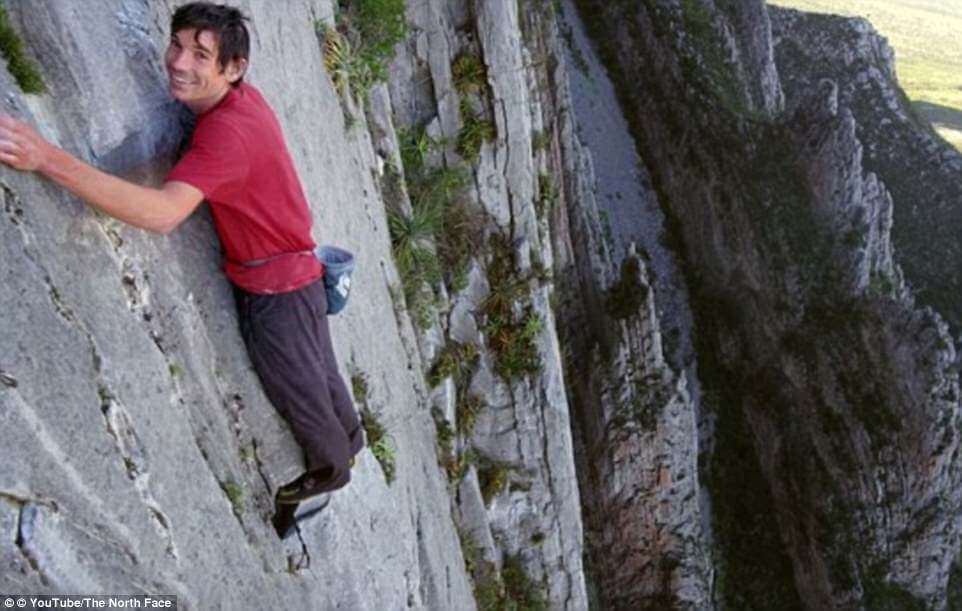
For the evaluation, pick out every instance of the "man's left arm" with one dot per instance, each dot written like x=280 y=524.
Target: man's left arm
x=158 y=210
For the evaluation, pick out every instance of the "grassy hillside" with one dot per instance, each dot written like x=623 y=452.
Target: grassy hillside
x=927 y=38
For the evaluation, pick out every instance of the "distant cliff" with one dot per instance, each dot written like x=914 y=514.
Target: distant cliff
x=832 y=397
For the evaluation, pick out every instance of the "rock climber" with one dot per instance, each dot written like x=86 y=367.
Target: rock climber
x=237 y=160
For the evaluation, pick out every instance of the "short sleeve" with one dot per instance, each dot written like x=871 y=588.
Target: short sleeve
x=216 y=162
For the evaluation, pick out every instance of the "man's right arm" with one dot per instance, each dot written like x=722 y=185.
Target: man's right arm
x=158 y=210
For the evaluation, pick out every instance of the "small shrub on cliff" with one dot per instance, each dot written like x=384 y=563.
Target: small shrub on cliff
x=447 y=454
x=520 y=589
x=626 y=297
x=492 y=477
x=475 y=131
x=469 y=73
x=358 y=50
x=457 y=360
x=411 y=245
x=379 y=442
x=547 y=194
x=456 y=226
x=21 y=68
x=415 y=145
x=359 y=386
x=469 y=407
x=381 y=26
x=512 y=338
x=342 y=62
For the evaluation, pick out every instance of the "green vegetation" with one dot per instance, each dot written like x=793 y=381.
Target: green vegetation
x=457 y=360
x=520 y=589
x=468 y=409
x=475 y=131
x=707 y=61
x=381 y=26
x=447 y=453
x=626 y=297
x=513 y=339
x=235 y=494
x=470 y=550
x=437 y=240
x=379 y=442
x=417 y=262
x=415 y=145
x=358 y=51
x=492 y=477
x=540 y=140
x=11 y=47
x=511 y=590
x=471 y=82
x=470 y=75
x=547 y=195
x=342 y=62
x=248 y=453
x=360 y=387
x=924 y=35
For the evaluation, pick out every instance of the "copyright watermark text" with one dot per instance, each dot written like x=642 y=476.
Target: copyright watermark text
x=111 y=601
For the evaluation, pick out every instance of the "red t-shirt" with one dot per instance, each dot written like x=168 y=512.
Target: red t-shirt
x=238 y=159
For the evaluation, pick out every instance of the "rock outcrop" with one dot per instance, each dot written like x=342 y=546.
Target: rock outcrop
x=918 y=168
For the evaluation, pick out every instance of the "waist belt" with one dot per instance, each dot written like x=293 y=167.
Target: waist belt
x=259 y=262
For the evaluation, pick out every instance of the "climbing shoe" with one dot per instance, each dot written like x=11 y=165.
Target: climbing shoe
x=286 y=516
x=283 y=519
x=301 y=489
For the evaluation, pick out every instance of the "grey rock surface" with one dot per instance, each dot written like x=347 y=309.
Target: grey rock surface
x=140 y=452
x=140 y=446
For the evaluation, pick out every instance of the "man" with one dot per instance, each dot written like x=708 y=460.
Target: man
x=238 y=161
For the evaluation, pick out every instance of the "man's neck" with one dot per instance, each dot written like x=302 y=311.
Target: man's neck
x=199 y=107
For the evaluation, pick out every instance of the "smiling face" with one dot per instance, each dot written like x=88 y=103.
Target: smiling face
x=195 y=77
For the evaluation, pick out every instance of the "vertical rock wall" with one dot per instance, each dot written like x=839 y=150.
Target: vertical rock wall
x=179 y=452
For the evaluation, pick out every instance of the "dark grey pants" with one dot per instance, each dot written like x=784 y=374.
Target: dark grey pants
x=289 y=344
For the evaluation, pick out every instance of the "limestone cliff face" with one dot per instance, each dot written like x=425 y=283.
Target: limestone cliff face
x=917 y=167
x=833 y=465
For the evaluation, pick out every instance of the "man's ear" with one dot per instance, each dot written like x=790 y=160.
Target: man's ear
x=235 y=70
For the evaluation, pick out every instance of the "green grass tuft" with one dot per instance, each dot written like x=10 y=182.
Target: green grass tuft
x=437 y=241
x=475 y=131
x=380 y=444
x=447 y=453
x=547 y=195
x=357 y=52
x=512 y=338
x=21 y=68
x=457 y=360
x=470 y=74
x=468 y=410
x=360 y=387
x=492 y=476
x=235 y=494
x=520 y=589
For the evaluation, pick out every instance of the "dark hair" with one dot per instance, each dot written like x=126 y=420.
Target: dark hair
x=225 y=22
